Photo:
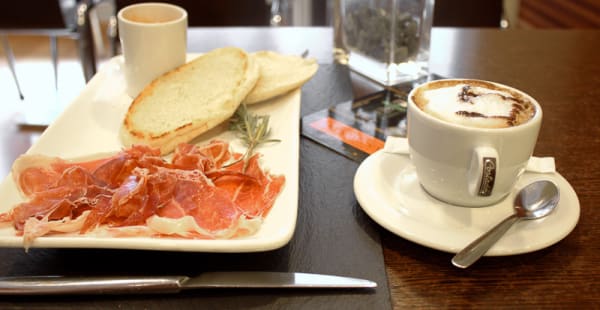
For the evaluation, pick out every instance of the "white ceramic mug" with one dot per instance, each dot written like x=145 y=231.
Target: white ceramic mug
x=154 y=41
x=465 y=165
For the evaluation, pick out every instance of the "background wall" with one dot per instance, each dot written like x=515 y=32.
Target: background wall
x=559 y=14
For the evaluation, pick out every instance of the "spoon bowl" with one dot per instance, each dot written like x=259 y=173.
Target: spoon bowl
x=537 y=200
x=534 y=201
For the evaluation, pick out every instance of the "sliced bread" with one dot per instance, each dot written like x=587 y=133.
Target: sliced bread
x=190 y=100
x=279 y=74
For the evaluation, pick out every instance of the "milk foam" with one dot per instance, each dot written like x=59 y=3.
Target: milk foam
x=471 y=106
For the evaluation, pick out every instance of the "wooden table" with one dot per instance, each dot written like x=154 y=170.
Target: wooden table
x=562 y=70
x=559 y=68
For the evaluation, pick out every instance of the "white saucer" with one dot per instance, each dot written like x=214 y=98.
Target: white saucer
x=387 y=188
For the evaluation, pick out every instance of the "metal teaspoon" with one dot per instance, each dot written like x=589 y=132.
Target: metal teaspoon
x=534 y=201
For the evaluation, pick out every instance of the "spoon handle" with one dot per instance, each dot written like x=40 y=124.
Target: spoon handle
x=467 y=256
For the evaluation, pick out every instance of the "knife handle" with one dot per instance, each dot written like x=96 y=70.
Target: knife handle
x=54 y=285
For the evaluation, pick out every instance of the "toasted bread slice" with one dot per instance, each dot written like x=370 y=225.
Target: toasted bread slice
x=279 y=74
x=190 y=100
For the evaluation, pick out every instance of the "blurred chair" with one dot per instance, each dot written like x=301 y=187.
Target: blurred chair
x=52 y=18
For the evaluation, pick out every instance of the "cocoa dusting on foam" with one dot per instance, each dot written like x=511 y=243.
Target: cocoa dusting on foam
x=474 y=103
x=468 y=94
x=470 y=114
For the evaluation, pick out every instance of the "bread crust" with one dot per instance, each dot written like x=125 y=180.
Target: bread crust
x=279 y=74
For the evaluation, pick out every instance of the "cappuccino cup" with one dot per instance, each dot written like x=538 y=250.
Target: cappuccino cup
x=154 y=41
x=470 y=140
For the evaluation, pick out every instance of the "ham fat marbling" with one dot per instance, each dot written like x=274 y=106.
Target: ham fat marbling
x=138 y=193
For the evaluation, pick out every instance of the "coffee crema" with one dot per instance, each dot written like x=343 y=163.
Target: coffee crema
x=474 y=103
x=151 y=16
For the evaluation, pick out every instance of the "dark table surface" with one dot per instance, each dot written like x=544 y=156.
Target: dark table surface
x=560 y=68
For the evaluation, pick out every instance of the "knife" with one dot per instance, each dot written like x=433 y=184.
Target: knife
x=55 y=285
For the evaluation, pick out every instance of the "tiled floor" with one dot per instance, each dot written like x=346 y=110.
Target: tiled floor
x=42 y=101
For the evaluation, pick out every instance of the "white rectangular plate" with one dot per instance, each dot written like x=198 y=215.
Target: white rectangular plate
x=90 y=125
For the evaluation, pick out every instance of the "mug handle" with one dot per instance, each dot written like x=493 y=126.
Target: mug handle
x=483 y=170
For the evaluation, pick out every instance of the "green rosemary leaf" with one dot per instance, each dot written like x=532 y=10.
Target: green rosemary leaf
x=252 y=129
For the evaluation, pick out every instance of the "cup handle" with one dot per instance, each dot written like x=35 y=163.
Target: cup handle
x=482 y=172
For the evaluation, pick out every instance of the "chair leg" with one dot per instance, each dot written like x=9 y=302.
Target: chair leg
x=85 y=42
x=11 y=63
x=54 y=53
x=113 y=36
x=96 y=31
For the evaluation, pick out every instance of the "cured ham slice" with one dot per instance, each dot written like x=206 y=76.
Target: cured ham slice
x=137 y=192
x=206 y=158
x=253 y=190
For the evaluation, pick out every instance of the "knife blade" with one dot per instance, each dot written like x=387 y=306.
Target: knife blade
x=57 y=285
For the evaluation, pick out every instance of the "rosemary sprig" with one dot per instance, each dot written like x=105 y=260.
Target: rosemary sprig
x=252 y=129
